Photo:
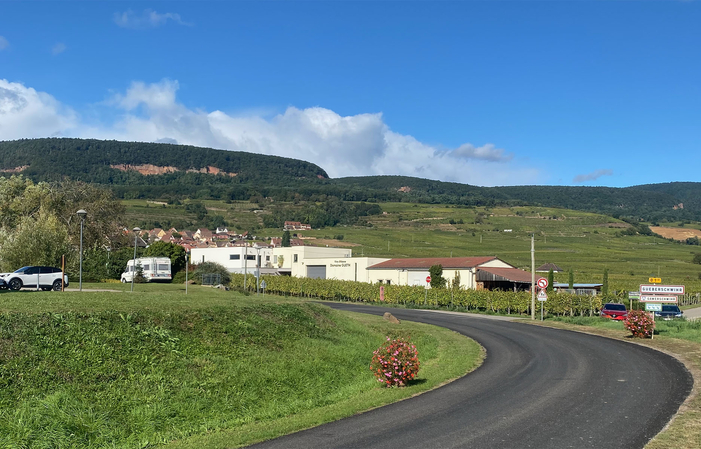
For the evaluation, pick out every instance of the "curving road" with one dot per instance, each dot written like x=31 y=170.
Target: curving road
x=538 y=388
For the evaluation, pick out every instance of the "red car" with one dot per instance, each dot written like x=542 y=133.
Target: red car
x=614 y=311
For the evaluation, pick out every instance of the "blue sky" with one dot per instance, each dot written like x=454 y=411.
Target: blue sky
x=485 y=93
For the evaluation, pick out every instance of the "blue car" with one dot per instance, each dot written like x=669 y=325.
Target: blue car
x=669 y=312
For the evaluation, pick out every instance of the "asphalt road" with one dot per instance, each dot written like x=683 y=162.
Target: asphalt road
x=538 y=388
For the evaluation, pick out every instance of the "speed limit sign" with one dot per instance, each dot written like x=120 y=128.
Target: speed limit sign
x=542 y=283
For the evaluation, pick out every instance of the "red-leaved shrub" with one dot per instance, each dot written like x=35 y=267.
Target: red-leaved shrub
x=639 y=323
x=395 y=362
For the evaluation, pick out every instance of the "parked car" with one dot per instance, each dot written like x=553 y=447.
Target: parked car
x=3 y=284
x=614 y=311
x=48 y=278
x=669 y=312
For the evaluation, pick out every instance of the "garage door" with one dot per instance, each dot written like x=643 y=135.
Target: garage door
x=316 y=271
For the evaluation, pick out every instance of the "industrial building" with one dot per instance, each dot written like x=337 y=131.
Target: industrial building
x=488 y=272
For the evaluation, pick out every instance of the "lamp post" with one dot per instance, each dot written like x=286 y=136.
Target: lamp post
x=81 y=213
x=133 y=268
x=187 y=260
x=257 y=270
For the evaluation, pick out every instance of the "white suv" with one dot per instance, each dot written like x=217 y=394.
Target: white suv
x=48 y=278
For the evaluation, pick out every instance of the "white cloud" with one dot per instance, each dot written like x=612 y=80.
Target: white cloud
x=24 y=112
x=58 y=48
x=3 y=43
x=592 y=176
x=147 y=19
x=354 y=145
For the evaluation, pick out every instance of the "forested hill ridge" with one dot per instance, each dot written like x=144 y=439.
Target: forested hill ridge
x=162 y=171
x=113 y=162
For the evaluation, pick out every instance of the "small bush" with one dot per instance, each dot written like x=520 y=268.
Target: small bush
x=639 y=323
x=211 y=268
x=395 y=363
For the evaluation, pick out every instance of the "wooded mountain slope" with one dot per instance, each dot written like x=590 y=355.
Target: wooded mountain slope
x=254 y=176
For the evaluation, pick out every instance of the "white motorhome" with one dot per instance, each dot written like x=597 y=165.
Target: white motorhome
x=155 y=269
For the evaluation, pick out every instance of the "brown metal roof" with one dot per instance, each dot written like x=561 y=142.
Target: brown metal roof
x=428 y=262
x=509 y=274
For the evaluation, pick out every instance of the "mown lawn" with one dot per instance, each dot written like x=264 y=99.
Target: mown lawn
x=210 y=369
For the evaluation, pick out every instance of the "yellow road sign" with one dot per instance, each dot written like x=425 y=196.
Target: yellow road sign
x=655 y=280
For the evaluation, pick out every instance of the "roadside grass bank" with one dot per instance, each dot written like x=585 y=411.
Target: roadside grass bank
x=210 y=369
x=680 y=339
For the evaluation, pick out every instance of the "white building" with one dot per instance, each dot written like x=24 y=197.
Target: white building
x=296 y=258
x=487 y=272
x=237 y=259
x=340 y=268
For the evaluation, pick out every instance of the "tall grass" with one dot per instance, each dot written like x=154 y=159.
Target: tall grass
x=111 y=375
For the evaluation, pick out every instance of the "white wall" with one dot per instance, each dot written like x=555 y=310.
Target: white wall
x=224 y=255
x=304 y=254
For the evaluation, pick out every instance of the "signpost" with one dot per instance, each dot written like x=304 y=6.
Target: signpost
x=263 y=285
x=542 y=297
x=382 y=292
x=657 y=298
x=662 y=289
x=653 y=307
x=542 y=284
x=428 y=283
x=654 y=295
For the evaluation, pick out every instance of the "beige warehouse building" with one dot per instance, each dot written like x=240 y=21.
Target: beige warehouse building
x=487 y=272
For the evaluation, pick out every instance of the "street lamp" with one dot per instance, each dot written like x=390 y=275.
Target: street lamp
x=133 y=268
x=257 y=270
x=81 y=213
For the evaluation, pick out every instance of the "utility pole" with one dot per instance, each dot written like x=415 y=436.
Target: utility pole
x=245 y=266
x=533 y=276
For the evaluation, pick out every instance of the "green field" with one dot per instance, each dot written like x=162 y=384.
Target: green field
x=210 y=369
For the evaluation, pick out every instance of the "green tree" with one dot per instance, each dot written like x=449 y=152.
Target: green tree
x=455 y=285
x=35 y=241
x=280 y=261
x=551 y=280
x=437 y=279
x=571 y=279
x=286 y=239
x=176 y=253
x=211 y=268
x=605 y=283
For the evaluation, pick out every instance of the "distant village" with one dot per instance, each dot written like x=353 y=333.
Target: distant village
x=219 y=238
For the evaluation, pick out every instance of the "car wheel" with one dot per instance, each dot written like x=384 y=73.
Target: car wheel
x=15 y=284
x=124 y=281
x=56 y=286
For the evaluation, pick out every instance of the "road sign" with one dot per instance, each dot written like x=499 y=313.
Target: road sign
x=428 y=279
x=542 y=296
x=263 y=284
x=653 y=307
x=542 y=283
x=633 y=295
x=658 y=298
x=655 y=280
x=662 y=289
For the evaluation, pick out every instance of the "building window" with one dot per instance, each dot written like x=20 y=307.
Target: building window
x=388 y=282
x=274 y=259
x=250 y=257
x=234 y=256
x=267 y=258
x=294 y=258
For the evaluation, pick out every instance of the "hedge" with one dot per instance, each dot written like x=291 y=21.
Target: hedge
x=560 y=304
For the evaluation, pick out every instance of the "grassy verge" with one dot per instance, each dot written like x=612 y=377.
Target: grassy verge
x=680 y=339
x=210 y=369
